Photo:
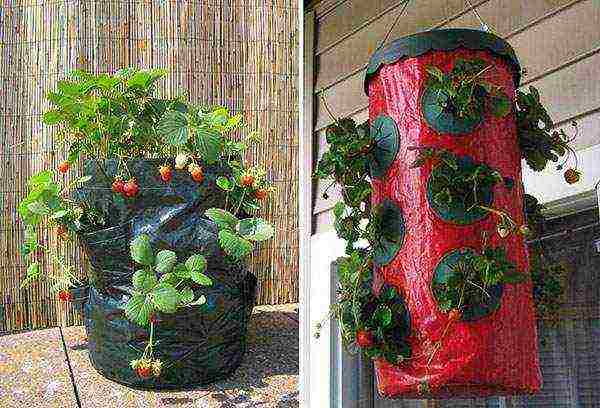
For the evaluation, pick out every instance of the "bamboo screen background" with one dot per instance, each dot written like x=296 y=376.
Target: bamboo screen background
x=237 y=53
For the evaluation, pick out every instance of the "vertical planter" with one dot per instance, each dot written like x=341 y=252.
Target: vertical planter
x=198 y=345
x=492 y=350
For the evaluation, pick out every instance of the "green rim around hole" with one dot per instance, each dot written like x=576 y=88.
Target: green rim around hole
x=444 y=121
x=392 y=233
x=457 y=213
x=444 y=270
x=387 y=142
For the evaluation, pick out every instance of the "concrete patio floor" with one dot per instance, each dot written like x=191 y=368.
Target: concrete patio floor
x=37 y=370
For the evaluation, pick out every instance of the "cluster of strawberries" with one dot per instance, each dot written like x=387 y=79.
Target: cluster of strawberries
x=129 y=188
x=247 y=180
x=146 y=367
x=181 y=162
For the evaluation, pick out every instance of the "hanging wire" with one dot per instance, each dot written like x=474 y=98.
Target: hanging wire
x=484 y=26
x=389 y=32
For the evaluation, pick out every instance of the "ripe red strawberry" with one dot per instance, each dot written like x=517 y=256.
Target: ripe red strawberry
x=64 y=167
x=247 y=180
x=62 y=232
x=65 y=295
x=154 y=318
x=131 y=188
x=572 y=176
x=197 y=174
x=364 y=339
x=118 y=186
x=166 y=174
x=144 y=371
x=260 y=194
x=454 y=315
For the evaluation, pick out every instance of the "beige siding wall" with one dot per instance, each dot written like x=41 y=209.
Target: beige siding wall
x=557 y=41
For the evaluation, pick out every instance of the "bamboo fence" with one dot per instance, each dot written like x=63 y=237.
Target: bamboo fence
x=239 y=53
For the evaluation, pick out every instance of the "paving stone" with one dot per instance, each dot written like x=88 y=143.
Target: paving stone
x=267 y=378
x=34 y=372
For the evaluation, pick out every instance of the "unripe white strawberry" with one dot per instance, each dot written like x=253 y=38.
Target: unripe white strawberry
x=181 y=161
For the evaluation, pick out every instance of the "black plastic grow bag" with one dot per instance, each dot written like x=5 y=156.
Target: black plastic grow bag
x=197 y=345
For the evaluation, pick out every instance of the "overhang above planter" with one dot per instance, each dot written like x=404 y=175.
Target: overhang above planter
x=443 y=40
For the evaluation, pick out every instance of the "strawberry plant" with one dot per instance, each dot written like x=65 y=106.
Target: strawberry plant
x=473 y=281
x=376 y=324
x=549 y=277
x=237 y=237
x=538 y=140
x=100 y=117
x=464 y=93
x=163 y=284
x=110 y=122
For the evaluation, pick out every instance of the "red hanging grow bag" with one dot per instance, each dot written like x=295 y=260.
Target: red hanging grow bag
x=493 y=349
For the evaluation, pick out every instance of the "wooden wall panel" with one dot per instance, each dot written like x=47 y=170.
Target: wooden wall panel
x=347 y=19
x=505 y=16
x=238 y=53
x=549 y=35
x=557 y=41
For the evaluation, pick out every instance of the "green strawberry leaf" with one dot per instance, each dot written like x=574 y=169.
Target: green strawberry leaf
x=33 y=273
x=196 y=263
x=255 y=229
x=38 y=207
x=234 y=245
x=224 y=219
x=383 y=316
x=166 y=298
x=165 y=261
x=181 y=271
x=209 y=144
x=39 y=179
x=51 y=117
x=173 y=127
x=201 y=279
x=144 y=281
x=141 y=250
x=138 y=309
x=170 y=278
x=224 y=183
x=186 y=296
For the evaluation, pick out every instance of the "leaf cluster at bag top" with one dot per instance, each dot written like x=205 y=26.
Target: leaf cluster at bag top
x=118 y=117
x=465 y=93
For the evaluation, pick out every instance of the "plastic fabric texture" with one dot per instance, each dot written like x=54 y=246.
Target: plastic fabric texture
x=492 y=355
x=197 y=345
